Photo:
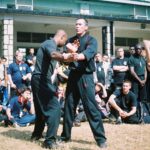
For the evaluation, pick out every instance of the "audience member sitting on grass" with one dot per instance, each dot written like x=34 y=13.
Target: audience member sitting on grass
x=3 y=116
x=20 y=111
x=3 y=95
x=80 y=115
x=100 y=95
x=124 y=102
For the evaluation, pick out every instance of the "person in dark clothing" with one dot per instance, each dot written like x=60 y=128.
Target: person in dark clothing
x=124 y=102
x=47 y=107
x=120 y=68
x=30 y=59
x=99 y=68
x=81 y=85
x=137 y=65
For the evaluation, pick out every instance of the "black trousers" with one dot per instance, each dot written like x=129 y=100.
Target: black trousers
x=81 y=86
x=47 y=108
x=138 y=90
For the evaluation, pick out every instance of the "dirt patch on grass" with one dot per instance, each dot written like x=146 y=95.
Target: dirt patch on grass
x=119 y=137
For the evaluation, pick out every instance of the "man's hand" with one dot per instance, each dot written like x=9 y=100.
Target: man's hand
x=124 y=114
x=24 y=78
x=13 y=86
x=71 y=48
x=10 y=117
x=68 y=57
x=142 y=82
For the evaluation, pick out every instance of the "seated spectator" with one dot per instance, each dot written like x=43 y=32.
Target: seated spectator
x=3 y=95
x=3 y=116
x=80 y=115
x=124 y=102
x=20 y=111
x=100 y=96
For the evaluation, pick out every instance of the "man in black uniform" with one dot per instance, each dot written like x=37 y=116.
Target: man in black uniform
x=47 y=107
x=120 y=68
x=81 y=84
x=99 y=68
x=137 y=65
x=124 y=102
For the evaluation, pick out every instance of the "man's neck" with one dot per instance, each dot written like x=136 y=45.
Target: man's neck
x=125 y=93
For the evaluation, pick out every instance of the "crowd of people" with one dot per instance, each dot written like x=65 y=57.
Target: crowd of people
x=78 y=84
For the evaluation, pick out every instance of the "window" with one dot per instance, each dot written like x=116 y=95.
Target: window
x=38 y=37
x=23 y=37
x=33 y=37
x=123 y=41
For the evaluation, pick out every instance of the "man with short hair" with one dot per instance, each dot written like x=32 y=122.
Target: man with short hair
x=99 y=68
x=45 y=99
x=31 y=58
x=137 y=65
x=19 y=74
x=120 y=68
x=81 y=85
x=124 y=102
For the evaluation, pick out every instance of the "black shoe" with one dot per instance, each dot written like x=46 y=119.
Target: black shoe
x=102 y=145
x=50 y=145
x=77 y=124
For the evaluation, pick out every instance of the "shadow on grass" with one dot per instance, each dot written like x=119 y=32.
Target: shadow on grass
x=82 y=141
x=16 y=134
x=77 y=148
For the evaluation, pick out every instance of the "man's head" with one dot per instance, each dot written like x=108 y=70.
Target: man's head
x=126 y=86
x=132 y=50
x=81 y=26
x=31 y=51
x=138 y=49
x=25 y=92
x=98 y=57
x=60 y=37
x=105 y=58
x=120 y=52
x=19 y=57
x=3 y=60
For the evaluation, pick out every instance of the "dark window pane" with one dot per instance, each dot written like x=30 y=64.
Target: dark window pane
x=23 y=37
x=120 y=41
x=38 y=37
x=50 y=35
x=132 y=41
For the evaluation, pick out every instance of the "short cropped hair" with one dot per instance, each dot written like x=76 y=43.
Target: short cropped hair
x=85 y=20
x=127 y=81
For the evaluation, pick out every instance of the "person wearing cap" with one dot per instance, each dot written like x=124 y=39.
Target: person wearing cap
x=137 y=65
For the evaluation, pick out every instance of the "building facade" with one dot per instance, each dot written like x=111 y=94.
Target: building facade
x=114 y=23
